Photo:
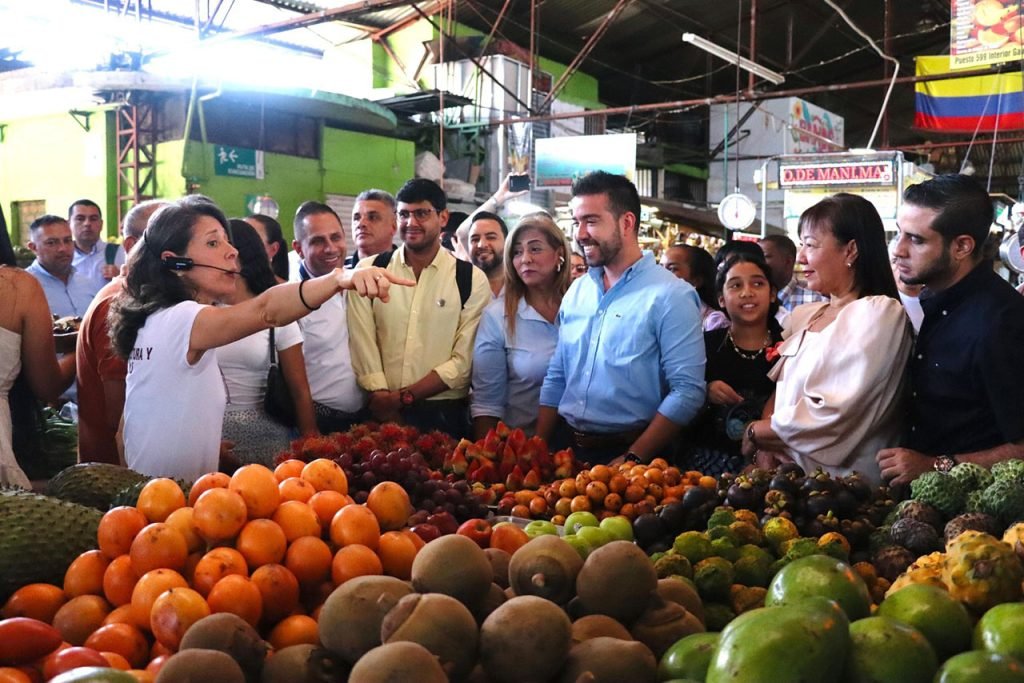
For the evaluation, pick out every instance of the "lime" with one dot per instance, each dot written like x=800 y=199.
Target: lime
x=940 y=617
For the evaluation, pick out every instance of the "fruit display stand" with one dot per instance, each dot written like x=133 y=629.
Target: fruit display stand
x=328 y=567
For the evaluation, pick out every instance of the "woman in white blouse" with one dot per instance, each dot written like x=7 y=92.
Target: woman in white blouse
x=840 y=373
x=517 y=335
x=257 y=437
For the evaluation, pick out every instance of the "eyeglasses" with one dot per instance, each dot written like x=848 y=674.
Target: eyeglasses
x=579 y=268
x=420 y=214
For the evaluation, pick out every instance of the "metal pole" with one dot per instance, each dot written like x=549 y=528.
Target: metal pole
x=753 y=41
x=887 y=67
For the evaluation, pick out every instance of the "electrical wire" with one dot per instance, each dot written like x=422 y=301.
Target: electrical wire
x=881 y=53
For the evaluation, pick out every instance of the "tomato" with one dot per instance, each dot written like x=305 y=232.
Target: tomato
x=72 y=658
x=23 y=640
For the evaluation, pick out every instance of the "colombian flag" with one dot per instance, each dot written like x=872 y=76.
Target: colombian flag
x=956 y=105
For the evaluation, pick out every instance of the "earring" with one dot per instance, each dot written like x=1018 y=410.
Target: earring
x=561 y=262
x=849 y=264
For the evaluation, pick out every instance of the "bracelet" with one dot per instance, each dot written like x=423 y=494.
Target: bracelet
x=751 y=436
x=302 y=283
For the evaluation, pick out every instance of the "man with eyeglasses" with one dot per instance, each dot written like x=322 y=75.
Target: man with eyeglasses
x=67 y=291
x=414 y=355
x=94 y=259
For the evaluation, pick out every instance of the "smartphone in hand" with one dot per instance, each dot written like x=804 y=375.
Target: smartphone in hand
x=518 y=182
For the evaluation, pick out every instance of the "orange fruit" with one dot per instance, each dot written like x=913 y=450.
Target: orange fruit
x=118 y=527
x=397 y=551
x=326 y=475
x=289 y=468
x=258 y=487
x=8 y=674
x=115 y=661
x=124 y=639
x=296 y=488
x=215 y=565
x=415 y=538
x=149 y=586
x=355 y=524
x=159 y=498
x=181 y=519
x=118 y=581
x=279 y=589
x=79 y=617
x=297 y=519
x=508 y=537
x=391 y=504
x=237 y=595
x=309 y=559
x=84 y=576
x=36 y=601
x=158 y=546
x=326 y=504
x=156 y=664
x=298 y=629
x=219 y=514
x=210 y=480
x=120 y=615
x=174 y=611
x=261 y=541
x=352 y=561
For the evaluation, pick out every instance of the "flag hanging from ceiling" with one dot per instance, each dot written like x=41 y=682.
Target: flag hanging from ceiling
x=958 y=105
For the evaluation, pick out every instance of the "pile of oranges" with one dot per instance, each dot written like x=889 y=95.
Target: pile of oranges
x=629 y=489
x=266 y=545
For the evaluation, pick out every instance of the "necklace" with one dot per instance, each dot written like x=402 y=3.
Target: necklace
x=749 y=355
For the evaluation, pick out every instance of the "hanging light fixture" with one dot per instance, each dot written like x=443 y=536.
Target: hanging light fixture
x=728 y=55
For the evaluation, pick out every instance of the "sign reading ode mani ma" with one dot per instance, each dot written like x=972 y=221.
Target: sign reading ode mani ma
x=844 y=173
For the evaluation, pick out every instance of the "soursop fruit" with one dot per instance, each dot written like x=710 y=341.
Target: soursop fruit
x=973 y=503
x=92 y=483
x=1012 y=469
x=972 y=476
x=1004 y=500
x=940 y=490
x=920 y=511
x=915 y=536
x=971 y=521
x=981 y=571
x=39 y=538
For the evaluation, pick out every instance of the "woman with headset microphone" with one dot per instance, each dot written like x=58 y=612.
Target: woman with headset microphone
x=167 y=328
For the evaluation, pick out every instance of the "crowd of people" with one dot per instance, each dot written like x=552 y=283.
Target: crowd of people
x=886 y=358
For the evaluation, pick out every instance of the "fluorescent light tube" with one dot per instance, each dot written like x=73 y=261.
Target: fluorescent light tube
x=728 y=55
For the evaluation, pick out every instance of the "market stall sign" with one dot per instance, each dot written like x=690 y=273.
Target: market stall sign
x=238 y=162
x=851 y=173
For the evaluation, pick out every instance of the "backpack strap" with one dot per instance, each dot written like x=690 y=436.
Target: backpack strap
x=464 y=279
x=110 y=253
x=273 y=348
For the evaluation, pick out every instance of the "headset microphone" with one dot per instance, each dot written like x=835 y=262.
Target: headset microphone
x=180 y=263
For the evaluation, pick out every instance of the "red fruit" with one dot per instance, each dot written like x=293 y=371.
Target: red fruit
x=444 y=521
x=428 y=532
x=478 y=530
x=72 y=658
x=23 y=640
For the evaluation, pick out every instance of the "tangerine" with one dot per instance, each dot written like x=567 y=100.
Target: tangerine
x=159 y=498
x=149 y=586
x=124 y=639
x=79 y=617
x=36 y=601
x=391 y=504
x=288 y=469
x=120 y=615
x=352 y=561
x=181 y=519
x=119 y=580
x=174 y=611
x=261 y=541
x=297 y=519
x=258 y=487
x=158 y=546
x=355 y=524
x=219 y=514
x=296 y=488
x=397 y=551
x=326 y=475
x=118 y=528
x=238 y=595
x=215 y=565
x=326 y=504
x=115 y=661
x=279 y=589
x=297 y=629
x=210 y=480
x=309 y=559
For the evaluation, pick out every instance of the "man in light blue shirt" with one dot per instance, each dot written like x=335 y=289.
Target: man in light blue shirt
x=66 y=291
x=94 y=259
x=628 y=371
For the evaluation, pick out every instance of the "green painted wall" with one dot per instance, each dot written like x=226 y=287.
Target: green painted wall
x=352 y=162
x=52 y=158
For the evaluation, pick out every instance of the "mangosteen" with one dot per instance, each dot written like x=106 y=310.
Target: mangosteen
x=791 y=469
x=856 y=484
x=845 y=503
x=777 y=499
x=648 y=529
x=696 y=496
x=781 y=482
x=819 y=503
x=819 y=481
x=662 y=546
x=674 y=517
x=743 y=494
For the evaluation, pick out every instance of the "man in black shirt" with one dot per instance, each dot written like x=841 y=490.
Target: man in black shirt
x=966 y=379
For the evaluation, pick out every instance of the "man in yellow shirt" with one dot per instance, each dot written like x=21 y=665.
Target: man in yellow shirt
x=414 y=355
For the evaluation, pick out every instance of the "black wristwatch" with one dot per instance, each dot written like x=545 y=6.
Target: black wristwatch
x=630 y=456
x=944 y=463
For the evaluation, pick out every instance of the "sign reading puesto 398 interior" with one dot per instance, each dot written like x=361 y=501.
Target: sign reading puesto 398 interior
x=844 y=173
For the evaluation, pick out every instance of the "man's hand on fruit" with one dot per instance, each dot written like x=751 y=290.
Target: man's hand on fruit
x=901 y=466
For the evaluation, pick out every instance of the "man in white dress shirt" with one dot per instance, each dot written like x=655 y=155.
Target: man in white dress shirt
x=94 y=259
